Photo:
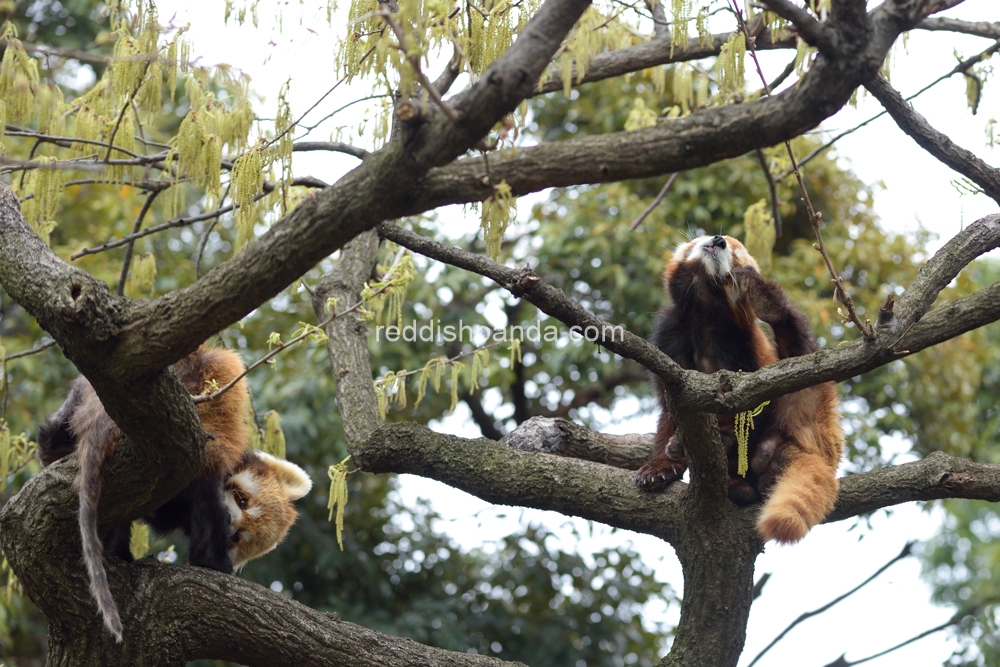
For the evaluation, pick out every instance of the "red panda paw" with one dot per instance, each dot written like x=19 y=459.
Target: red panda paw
x=782 y=524
x=658 y=473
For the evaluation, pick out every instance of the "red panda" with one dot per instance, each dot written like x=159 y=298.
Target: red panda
x=717 y=296
x=238 y=507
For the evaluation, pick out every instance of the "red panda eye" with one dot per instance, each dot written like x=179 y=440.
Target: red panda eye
x=241 y=499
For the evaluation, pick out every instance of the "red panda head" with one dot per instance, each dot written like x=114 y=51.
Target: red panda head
x=259 y=497
x=718 y=255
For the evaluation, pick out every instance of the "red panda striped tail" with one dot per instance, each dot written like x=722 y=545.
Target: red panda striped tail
x=92 y=459
x=804 y=496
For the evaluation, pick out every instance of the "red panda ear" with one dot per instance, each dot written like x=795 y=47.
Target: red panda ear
x=294 y=479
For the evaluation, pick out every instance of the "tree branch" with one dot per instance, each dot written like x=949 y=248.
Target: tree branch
x=173 y=613
x=936 y=143
x=176 y=323
x=334 y=146
x=905 y=553
x=565 y=438
x=504 y=475
x=727 y=393
x=810 y=29
x=347 y=340
x=977 y=28
x=525 y=284
x=938 y=475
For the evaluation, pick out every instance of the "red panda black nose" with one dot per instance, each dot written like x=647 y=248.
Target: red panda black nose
x=718 y=242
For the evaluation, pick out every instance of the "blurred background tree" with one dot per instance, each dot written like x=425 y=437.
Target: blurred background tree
x=525 y=598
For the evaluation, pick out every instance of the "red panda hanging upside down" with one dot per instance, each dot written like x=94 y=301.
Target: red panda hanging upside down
x=237 y=508
x=794 y=449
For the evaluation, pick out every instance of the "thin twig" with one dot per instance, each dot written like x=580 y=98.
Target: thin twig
x=954 y=620
x=905 y=553
x=414 y=61
x=125 y=108
x=815 y=219
x=131 y=244
x=201 y=248
x=959 y=68
x=773 y=187
x=310 y=128
x=203 y=398
x=306 y=181
x=170 y=224
x=654 y=203
x=204 y=237
x=316 y=104
x=35 y=350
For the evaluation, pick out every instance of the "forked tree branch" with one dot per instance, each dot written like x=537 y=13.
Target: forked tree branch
x=908 y=331
x=934 y=142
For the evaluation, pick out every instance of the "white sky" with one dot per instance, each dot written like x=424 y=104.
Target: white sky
x=830 y=560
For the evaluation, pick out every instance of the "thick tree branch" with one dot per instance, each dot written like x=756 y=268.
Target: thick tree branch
x=653 y=53
x=936 y=476
x=565 y=438
x=504 y=475
x=174 y=614
x=347 y=341
x=174 y=324
x=977 y=28
x=809 y=28
x=980 y=237
x=936 y=143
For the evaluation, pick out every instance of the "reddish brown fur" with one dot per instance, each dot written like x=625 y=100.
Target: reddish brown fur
x=718 y=296
x=226 y=417
x=207 y=515
x=268 y=486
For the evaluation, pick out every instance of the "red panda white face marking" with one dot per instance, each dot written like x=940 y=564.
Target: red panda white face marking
x=259 y=499
x=719 y=255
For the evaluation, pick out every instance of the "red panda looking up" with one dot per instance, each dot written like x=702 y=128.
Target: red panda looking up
x=717 y=295
x=238 y=507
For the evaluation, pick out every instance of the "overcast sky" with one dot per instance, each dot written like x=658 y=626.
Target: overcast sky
x=915 y=190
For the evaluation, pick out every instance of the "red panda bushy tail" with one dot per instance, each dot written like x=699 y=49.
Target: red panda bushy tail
x=804 y=496
x=92 y=458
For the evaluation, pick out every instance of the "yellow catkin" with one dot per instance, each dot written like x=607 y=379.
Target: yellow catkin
x=683 y=88
x=743 y=426
x=456 y=366
x=759 y=233
x=730 y=63
x=138 y=542
x=274 y=437
x=681 y=10
x=515 y=351
x=338 y=497
x=247 y=179
x=497 y=213
x=6 y=456
x=142 y=278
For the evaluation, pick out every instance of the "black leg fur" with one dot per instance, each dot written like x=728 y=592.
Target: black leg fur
x=791 y=329
x=55 y=439
x=117 y=542
x=208 y=538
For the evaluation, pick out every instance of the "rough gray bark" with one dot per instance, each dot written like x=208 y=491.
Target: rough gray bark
x=349 y=362
x=123 y=347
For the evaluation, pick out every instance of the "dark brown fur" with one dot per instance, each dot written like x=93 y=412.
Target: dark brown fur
x=717 y=296
x=200 y=509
